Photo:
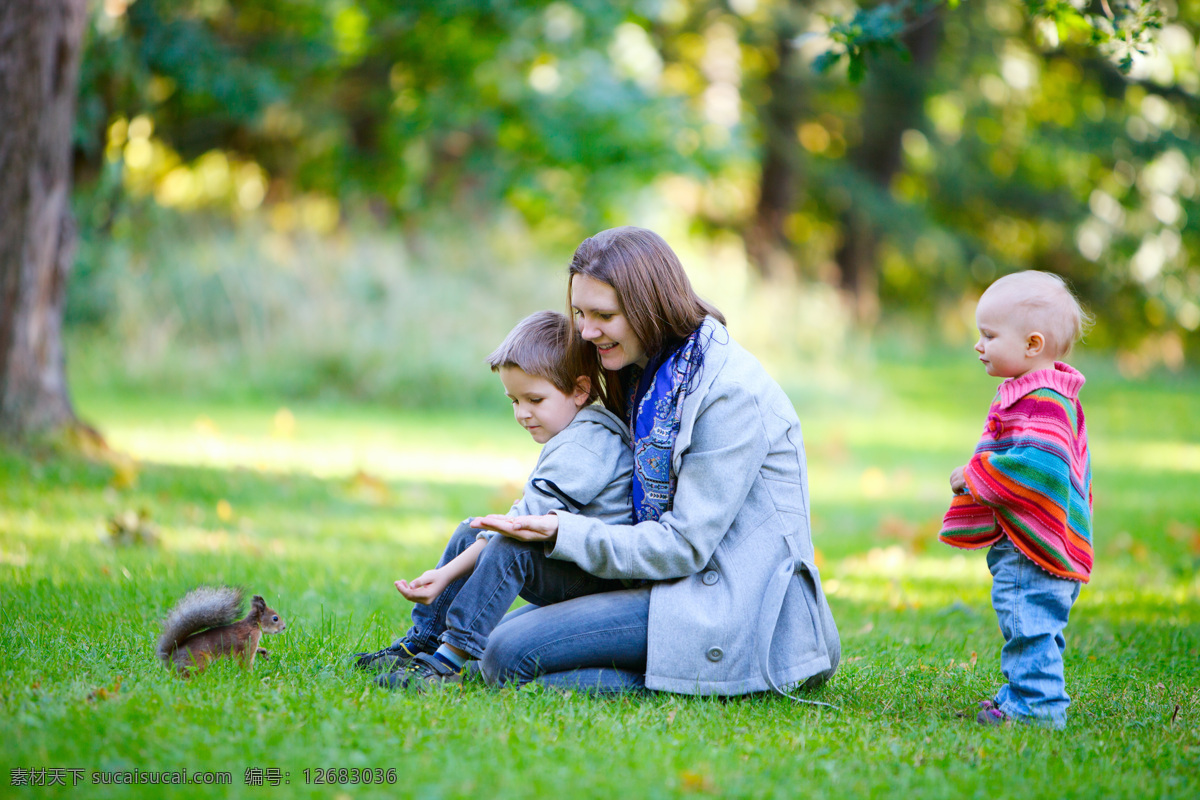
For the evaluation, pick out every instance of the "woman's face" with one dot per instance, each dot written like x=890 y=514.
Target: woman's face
x=599 y=320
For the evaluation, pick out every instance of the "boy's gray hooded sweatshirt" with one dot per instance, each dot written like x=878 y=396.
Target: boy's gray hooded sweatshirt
x=587 y=469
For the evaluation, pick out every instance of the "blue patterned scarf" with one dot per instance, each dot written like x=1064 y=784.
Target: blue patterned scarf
x=655 y=426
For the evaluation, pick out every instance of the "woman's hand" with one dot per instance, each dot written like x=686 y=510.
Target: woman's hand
x=525 y=529
x=425 y=588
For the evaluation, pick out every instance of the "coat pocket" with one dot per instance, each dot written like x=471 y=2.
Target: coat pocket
x=787 y=495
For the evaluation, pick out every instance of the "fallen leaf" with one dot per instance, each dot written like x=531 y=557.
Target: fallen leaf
x=695 y=782
x=131 y=527
x=1180 y=531
x=125 y=472
x=103 y=693
x=370 y=487
x=916 y=536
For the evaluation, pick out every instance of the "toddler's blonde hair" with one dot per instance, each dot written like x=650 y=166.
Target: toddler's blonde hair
x=1046 y=304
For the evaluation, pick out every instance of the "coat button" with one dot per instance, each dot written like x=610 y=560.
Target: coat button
x=715 y=654
x=710 y=577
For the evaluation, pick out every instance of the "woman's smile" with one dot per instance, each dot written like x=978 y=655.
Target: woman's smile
x=601 y=321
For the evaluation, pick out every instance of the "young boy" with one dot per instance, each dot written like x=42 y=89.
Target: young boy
x=1027 y=491
x=585 y=467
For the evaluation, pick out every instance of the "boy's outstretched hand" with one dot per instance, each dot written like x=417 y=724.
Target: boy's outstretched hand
x=425 y=588
x=542 y=528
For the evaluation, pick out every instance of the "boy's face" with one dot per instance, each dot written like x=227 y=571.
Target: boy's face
x=538 y=405
x=1004 y=344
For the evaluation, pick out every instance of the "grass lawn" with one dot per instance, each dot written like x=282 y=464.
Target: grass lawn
x=319 y=508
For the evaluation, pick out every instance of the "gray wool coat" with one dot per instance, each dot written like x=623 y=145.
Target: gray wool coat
x=736 y=605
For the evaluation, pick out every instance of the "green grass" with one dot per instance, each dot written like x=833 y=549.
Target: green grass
x=321 y=507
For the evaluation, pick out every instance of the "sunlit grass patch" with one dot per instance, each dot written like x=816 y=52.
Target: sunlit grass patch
x=323 y=440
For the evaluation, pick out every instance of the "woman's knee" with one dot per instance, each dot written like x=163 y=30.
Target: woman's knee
x=501 y=658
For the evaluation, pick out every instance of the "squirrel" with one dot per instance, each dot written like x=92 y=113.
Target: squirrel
x=202 y=627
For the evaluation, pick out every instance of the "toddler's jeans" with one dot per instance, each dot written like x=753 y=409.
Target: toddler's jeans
x=1033 y=607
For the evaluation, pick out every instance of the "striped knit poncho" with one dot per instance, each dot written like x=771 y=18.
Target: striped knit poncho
x=1031 y=476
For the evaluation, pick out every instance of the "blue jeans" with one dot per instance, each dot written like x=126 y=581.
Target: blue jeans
x=594 y=644
x=466 y=612
x=429 y=621
x=1033 y=607
x=506 y=569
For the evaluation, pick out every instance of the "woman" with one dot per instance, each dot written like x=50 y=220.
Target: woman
x=724 y=597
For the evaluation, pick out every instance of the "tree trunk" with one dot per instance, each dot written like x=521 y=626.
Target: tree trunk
x=893 y=100
x=767 y=243
x=40 y=48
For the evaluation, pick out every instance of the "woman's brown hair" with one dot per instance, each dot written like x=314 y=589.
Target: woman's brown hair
x=654 y=292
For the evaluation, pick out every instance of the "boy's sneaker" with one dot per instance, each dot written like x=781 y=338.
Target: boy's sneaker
x=989 y=714
x=422 y=672
x=392 y=658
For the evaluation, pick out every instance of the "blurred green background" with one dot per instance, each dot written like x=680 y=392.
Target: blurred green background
x=356 y=199
x=305 y=223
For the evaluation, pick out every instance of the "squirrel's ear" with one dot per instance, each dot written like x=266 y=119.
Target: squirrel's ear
x=258 y=604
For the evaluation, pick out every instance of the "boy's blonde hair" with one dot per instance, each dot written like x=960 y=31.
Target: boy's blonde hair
x=1046 y=304
x=538 y=346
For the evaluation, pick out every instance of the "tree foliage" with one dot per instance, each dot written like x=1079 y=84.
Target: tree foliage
x=409 y=105
x=1039 y=149
x=1037 y=134
x=1122 y=29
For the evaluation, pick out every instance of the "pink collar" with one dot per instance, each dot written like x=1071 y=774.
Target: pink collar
x=1063 y=378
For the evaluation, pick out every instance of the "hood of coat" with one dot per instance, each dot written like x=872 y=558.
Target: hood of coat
x=597 y=414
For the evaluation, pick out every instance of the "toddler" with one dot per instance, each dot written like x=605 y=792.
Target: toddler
x=585 y=467
x=1027 y=491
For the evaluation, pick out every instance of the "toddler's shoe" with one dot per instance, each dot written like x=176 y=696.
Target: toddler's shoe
x=394 y=657
x=422 y=672
x=989 y=714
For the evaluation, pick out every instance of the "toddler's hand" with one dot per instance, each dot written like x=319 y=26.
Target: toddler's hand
x=958 y=481
x=423 y=589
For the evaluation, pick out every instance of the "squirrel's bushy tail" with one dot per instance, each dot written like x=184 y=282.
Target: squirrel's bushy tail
x=205 y=607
